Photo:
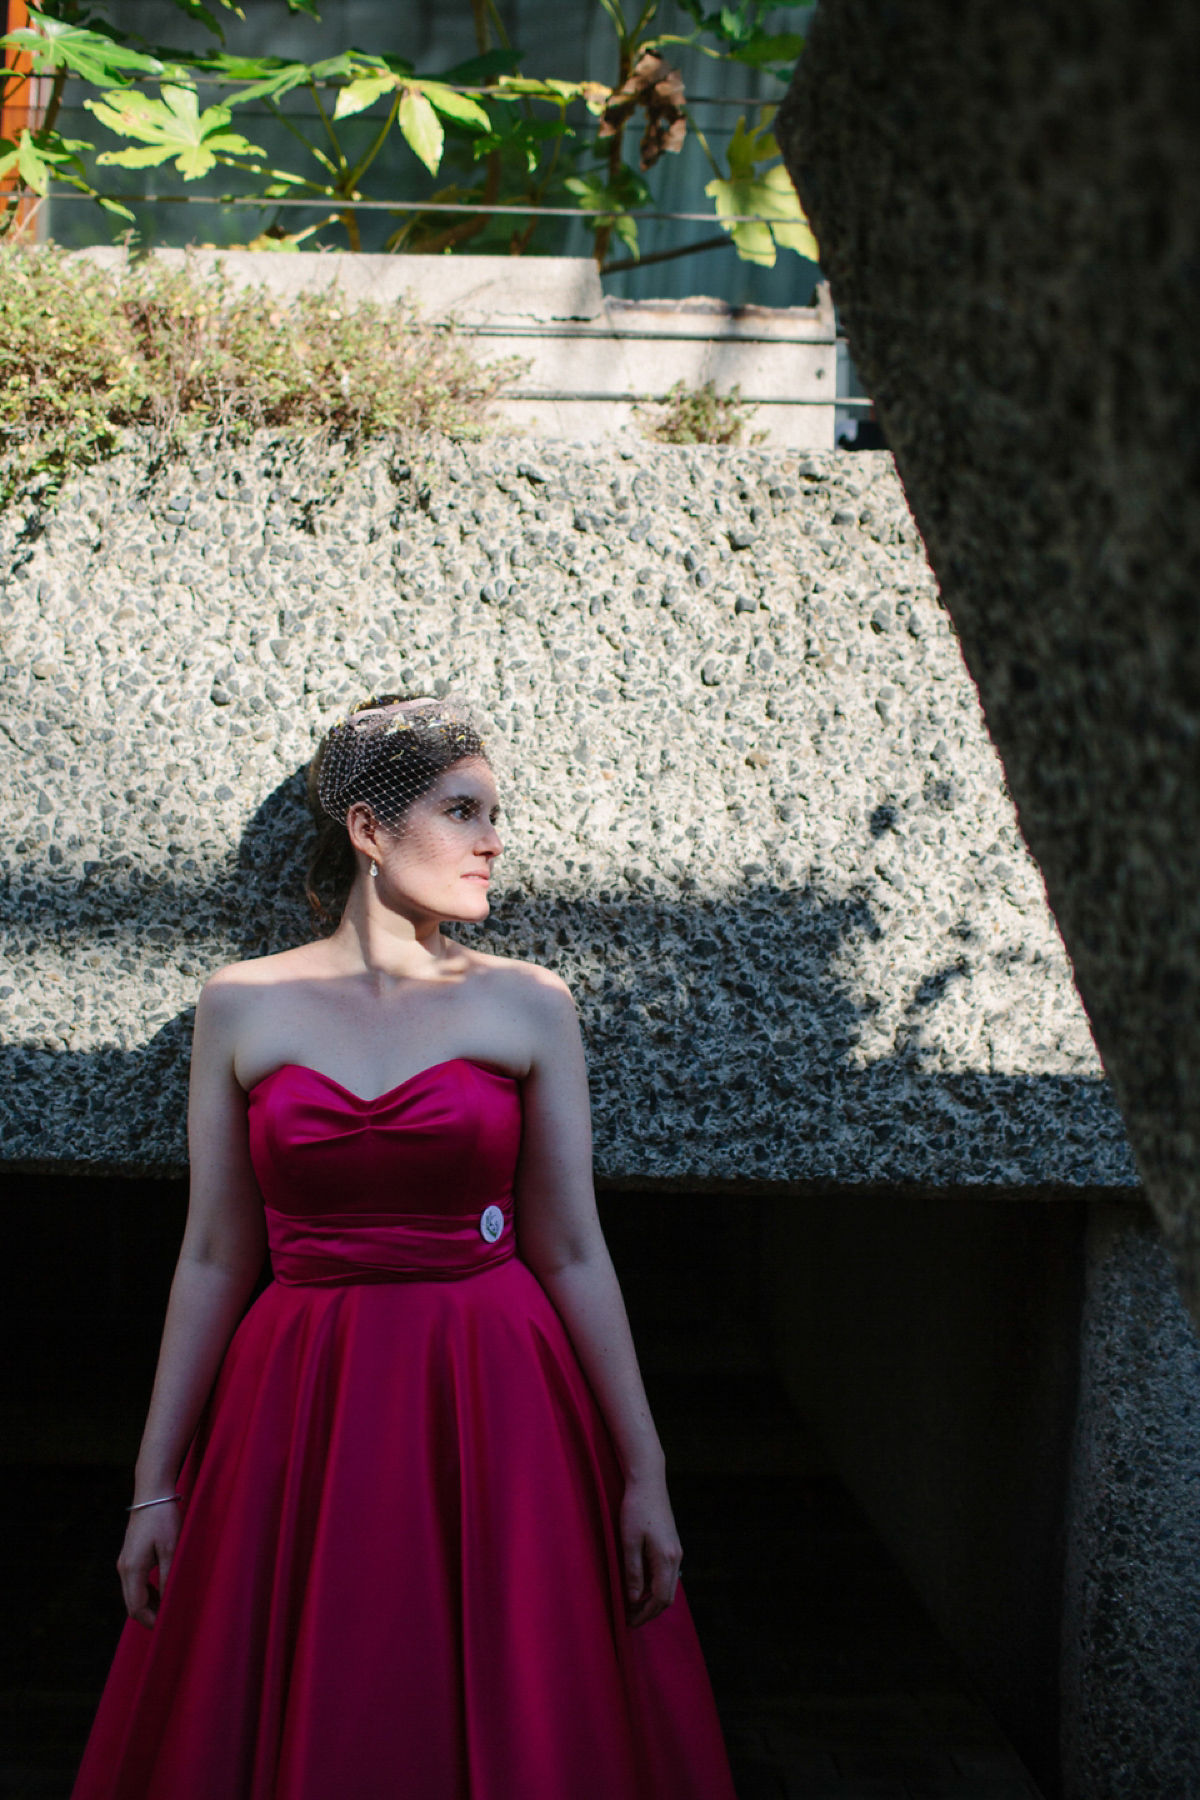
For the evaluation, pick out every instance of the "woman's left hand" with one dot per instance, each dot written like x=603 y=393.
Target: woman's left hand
x=652 y=1549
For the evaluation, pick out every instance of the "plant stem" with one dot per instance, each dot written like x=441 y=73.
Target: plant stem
x=479 y=12
x=349 y=218
x=703 y=143
x=355 y=175
x=520 y=241
x=338 y=152
x=498 y=22
x=277 y=111
x=642 y=262
x=55 y=102
x=624 y=70
x=472 y=226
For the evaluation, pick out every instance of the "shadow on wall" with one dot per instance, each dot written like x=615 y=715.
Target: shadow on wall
x=932 y=1344
x=722 y=1033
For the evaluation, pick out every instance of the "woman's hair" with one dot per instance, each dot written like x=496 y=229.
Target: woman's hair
x=387 y=752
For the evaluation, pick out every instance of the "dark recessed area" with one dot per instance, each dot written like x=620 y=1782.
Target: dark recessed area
x=828 y=1669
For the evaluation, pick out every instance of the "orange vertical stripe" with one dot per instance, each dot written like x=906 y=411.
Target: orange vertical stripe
x=15 y=113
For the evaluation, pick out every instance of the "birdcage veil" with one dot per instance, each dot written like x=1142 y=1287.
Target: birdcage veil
x=390 y=751
x=387 y=752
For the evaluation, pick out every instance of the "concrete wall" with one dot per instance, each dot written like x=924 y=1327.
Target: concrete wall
x=754 y=819
x=1131 y=1630
x=934 y=1346
x=1006 y=202
x=754 y=815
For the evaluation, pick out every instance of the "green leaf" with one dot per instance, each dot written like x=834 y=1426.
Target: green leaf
x=741 y=151
x=364 y=91
x=765 y=50
x=269 y=76
x=114 y=206
x=36 y=156
x=626 y=229
x=384 y=59
x=749 y=147
x=196 y=9
x=626 y=191
x=243 y=68
x=304 y=6
x=342 y=68
x=32 y=167
x=524 y=138
x=421 y=128
x=616 y=197
x=55 y=45
x=774 y=198
x=171 y=127
x=734 y=26
x=456 y=106
x=526 y=87
x=478 y=70
x=133 y=159
x=789 y=225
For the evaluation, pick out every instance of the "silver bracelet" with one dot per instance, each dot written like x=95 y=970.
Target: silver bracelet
x=163 y=1500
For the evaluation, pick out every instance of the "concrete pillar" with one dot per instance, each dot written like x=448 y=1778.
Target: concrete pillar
x=1131 y=1637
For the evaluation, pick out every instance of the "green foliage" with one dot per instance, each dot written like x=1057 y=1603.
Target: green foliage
x=85 y=353
x=612 y=201
x=57 y=46
x=70 y=375
x=744 y=38
x=504 y=139
x=171 y=127
x=700 y=416
x=770 y=195
x=37 y=155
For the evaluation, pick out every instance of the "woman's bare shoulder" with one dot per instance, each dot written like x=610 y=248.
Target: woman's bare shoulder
x=526 y=983
x=237 y=981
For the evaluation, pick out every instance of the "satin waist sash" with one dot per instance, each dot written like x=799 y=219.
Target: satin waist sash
x=327 y=1250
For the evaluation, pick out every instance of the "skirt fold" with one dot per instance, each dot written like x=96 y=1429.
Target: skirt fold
x=399 y=1575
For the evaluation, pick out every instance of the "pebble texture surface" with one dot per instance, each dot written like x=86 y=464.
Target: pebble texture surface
x=1132 y=1616
x=754 y=817
x=1006 y=207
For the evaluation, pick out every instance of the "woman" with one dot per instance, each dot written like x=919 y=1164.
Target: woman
x=421 y=1547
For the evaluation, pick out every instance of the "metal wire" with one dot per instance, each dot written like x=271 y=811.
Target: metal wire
x=454 y=87
x=333 y=204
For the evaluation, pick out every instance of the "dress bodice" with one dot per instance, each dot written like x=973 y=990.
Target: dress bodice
x=414 y=1185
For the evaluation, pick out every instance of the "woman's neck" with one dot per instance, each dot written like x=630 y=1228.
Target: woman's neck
x=380 y=941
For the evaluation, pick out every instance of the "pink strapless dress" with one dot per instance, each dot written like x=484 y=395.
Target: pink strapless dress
x=399 y=1574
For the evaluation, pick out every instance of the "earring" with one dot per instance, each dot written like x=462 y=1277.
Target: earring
x=374 y=869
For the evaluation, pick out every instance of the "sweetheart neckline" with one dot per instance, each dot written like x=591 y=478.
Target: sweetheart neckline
x=388 y=1093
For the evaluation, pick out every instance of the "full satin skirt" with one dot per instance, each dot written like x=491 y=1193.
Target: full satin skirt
x=399 y=1575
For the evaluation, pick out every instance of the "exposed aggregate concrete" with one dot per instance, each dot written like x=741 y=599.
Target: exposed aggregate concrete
x=1008 y=216
x=754 y=817
x=1132 y=1600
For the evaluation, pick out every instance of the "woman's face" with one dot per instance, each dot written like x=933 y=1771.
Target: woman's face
x=439 y=862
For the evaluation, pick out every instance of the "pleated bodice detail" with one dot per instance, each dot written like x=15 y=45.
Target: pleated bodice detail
x=414 y=1185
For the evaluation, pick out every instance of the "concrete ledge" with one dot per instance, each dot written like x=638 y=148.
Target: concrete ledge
x=589 y=360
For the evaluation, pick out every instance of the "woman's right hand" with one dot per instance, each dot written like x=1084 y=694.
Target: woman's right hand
x=150 y=1541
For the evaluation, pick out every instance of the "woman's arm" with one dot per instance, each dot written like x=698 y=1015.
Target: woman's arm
x=222 y=1254
x=563 y=1244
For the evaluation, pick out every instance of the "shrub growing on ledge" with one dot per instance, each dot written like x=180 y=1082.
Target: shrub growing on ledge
x=86 y=351
x=700 y=416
